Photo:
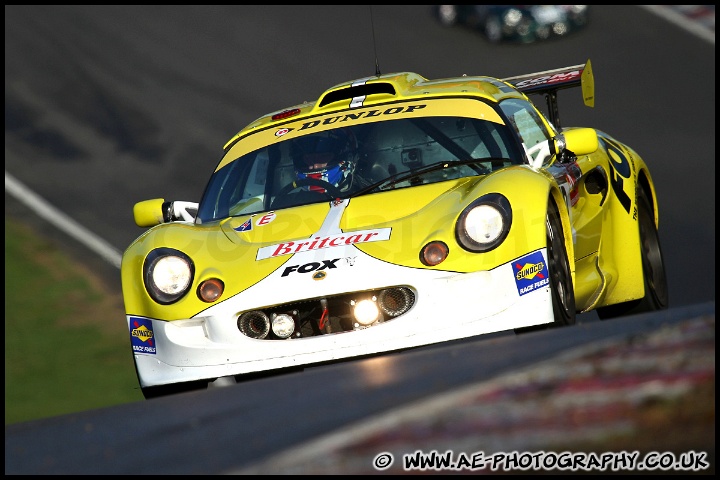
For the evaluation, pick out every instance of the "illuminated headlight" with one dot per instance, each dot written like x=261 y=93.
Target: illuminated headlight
x=168 y=274
x=484 y=224
x=283 y=325
x=366 y=312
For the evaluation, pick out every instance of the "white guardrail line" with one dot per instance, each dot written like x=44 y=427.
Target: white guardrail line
x=696 y=19
x=60 y=220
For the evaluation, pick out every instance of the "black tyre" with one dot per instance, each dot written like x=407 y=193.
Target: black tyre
x=656 y=290
x=561 y=286
x=172 y=389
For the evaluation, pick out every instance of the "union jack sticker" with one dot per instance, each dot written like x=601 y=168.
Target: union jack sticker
x=245 y=226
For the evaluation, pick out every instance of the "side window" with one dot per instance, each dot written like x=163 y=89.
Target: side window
x=528 y=124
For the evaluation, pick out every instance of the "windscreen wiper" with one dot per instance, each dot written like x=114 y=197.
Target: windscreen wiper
x=403 y=176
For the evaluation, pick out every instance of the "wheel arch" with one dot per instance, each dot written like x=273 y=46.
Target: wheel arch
x=557 y=197
x=619 y=258
x=647 y=187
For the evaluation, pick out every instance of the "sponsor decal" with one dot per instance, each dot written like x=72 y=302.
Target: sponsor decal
x=620 y=171
x=245 y=227
x=318 y=242
x=349 y=117
x=265 y=219
x=283 y=131
x=317 y=267
x=142 y=337
x=561 y=77
x=530 y=273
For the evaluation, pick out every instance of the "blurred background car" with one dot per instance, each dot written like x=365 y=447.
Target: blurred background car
x=515 y=23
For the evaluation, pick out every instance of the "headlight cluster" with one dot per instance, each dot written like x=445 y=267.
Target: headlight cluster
x=327 y=315
x=169 y=274
x=484 y=224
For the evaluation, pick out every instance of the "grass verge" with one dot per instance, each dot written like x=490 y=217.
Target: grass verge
x=66 y=345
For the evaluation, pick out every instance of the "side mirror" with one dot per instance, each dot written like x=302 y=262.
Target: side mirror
x=581 y=141
x=149 y=213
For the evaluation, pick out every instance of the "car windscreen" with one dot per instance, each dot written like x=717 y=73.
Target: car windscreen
x=342 y=161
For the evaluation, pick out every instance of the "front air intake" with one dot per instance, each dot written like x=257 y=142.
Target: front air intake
x=254 y=324
x=364 y=90
x=396 y=301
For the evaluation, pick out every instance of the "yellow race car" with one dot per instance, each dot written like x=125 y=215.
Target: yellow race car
x=392 y=212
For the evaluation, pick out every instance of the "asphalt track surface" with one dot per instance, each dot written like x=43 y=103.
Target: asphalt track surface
x=106 y=106
x=224 y=430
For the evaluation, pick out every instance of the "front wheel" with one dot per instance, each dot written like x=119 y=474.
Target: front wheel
x=561 y=285
x=656 y=290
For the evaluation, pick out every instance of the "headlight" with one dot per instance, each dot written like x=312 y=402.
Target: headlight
x=283 y=325
x=168 y=274
x=365 y=312
x=484 y=224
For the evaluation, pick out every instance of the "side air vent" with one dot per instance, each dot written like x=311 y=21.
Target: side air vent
x=596 y=182
x=357 y=91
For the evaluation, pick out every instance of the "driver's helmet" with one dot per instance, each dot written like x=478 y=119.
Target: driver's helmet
x=329 y=156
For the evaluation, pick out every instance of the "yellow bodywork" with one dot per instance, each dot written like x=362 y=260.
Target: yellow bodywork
x=417 y=216
x=600 y=227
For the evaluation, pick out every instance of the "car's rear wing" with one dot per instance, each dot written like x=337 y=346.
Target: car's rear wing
x=550 y=81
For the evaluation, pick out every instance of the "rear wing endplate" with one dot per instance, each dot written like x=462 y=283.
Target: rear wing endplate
x=549 y=82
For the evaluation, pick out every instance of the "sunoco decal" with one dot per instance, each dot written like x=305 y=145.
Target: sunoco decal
x=323 y=241
x=141 y=336
x=531 y=273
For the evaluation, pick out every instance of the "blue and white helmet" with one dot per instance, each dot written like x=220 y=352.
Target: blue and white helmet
x=330 y=156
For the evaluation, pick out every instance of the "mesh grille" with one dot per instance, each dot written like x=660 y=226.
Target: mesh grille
x=254 y=324
x=396 y=301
